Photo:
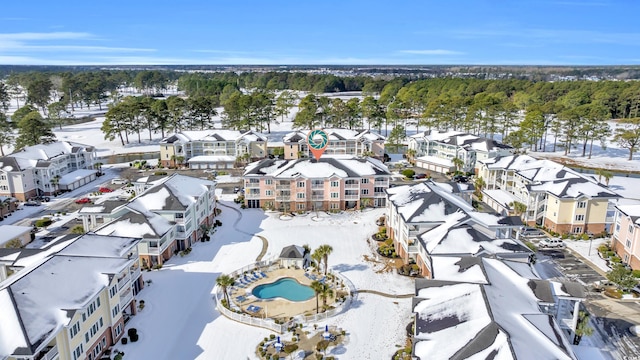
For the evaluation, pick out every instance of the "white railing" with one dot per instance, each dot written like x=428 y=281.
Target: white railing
x=126 y=298
x=268 y=323
x=352 y=186
x=124 y=281
x=135 y=273
x=52 y=353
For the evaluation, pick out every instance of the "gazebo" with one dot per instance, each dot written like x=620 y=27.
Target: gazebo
x=294 y=255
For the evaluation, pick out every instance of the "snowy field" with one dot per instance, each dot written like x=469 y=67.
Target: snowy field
x=179 y=300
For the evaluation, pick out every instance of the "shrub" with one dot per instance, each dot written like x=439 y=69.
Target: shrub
x=408 y=173
x=13 y=244
x=272 y=336
x=157 y=266
x=119 y=355
x=290 y=348
x=124 y=341
x=322 y=345
x=613 y=292
x=78 y=229
x=134 y=337
x=160 y=173
x=43 y=222
x=635 y=273
x=131 y=332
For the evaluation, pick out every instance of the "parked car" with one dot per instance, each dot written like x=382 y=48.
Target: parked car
x=531 y=232
x=32 y=203
x=552 y=243
x=420 y=176
x=84 y=200
x=460 y=179
x=118 y=181
x=105 y=190
x=42 y=198
x=236 y=189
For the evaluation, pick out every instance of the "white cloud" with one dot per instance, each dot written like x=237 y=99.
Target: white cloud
x=33 y=36
x=432 y=52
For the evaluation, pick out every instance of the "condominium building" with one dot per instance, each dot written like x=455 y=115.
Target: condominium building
x=427 y=219
x=488 y=308
x=626 y=235
x=74 y=304
x=556 y=197
x=212 y=149
x=435 y=150
x=341 y=142
x=46 y=168
x=169 y=214
x=331 y=183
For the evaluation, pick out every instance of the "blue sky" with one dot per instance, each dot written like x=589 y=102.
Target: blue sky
x=520 y=32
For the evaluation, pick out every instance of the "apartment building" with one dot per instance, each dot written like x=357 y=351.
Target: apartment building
x=46 y=168
x=74 y=304
x=626 y=235
x=556 y=197
x=435 y=150
x=169 y=214
x=482 y=307
x=341 y=142
x=212 y=149
x=331 y=183
x=427 y=219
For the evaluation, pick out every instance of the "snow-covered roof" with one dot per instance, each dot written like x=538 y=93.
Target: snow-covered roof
x=100 y=246
x=292 y=252
x=467 y=141
x=633 y=211
x=549 y=176
x=214 y=136
x=504 y=198
x=467 y=269
x=342 y=166
x=335 y=135
x=8 y=232
x=426 y=202
x=450 y=238
x=39 y=303
x=462 y=319
x=435 y=160
x=29 y=156
x=211 y=159
x=76 y=175
x=146 y=225
x=175 y=192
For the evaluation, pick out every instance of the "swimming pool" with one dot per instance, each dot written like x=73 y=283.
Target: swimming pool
x=287 y=288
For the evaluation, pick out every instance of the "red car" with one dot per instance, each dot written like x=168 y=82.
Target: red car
x=105 y=190
x=84 y=200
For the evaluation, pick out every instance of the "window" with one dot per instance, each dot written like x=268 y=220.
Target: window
x=335 y=195
x=335 y=184
x=579 y=217
x=617 y=227
x=582 y=204
x=364 y=181
x=300 y=206
x=4 y=177
x=300 y=184
x=91 y=309
x=364 y=191
x=334 y=206
x=577 y=230
x=268 y=193
x=113 y=291
x=626 y=258
x=268 y=181
x=300 y=195
x=628 y=243
x=77 y=353
x=74 y=329
x=115 y=311
x=118 y=330
x=630 y=229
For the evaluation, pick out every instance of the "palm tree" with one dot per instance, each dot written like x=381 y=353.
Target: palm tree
x=518 y=207
x=606 y=174
x=317 y=257
x=224 y=281
x=98 y=166
x=325 y=250
x=583 y=328
x=55 y=181
x=411 y=153
x=325 y=292
x=458 y=163
x=316 y=286
x=479 y=184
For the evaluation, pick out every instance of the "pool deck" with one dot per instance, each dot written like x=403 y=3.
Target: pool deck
x=278 y=307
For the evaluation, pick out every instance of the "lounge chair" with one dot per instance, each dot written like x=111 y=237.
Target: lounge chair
x=241 y=299
x=253 y=309
x=263 y=274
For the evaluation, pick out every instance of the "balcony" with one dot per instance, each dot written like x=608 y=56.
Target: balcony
x=413 y=249
x=384 y=182
x=283 y=187
x=379 y=194
x=352 y=186
x=125 y=298
x=352 y=197
x=317 y=197
x=123 y=282
x=252 y=185
x=135 y=272
x=317 y=186
x=52 y=353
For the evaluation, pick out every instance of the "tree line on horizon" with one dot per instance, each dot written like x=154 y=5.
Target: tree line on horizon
x=521 y=113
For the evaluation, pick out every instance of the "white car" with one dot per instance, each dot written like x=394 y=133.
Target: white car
x=552 y=243
x=118 y=181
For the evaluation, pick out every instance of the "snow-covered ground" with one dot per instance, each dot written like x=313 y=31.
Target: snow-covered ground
x=179 y=300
